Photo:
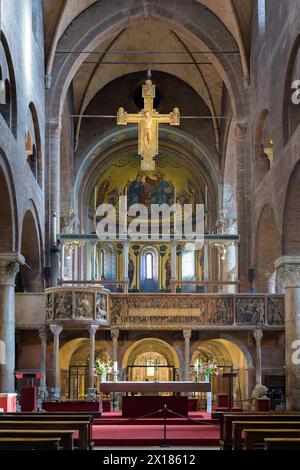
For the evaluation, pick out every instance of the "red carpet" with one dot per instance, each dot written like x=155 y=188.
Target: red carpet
x=113 y=430
x=152 y=435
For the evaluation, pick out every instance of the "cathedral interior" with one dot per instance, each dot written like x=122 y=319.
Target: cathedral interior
x=73 y=88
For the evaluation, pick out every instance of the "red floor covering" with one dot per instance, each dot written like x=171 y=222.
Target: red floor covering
x=115 y=417
x=152 y=435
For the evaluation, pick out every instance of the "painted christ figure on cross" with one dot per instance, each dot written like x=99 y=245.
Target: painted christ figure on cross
x=148 y=120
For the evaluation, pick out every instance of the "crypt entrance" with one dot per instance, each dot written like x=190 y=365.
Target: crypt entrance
x=151 y=359
x=231 y=358
x=74 y=371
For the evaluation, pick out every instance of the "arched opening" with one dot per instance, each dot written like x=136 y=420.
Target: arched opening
x=263 y=147
x=267 y=249
x=229 y=357
x=150 y=359
x=74 y=366
x=188 y=268
x=149 y=269
x=291 y=217
x=33 y=144
x=6 y=220
x=8 y=104
x=30 y=279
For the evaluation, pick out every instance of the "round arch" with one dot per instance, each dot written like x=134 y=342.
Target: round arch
x=8 y=211
x=173 y=142
x=227 y=351
x=31 y=273
x=151 y=344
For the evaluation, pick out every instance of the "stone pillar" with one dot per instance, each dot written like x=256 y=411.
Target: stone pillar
x=56 y=330
x=54 y=176
x=52 y=203
x=258 y=335
x=288 y=269
x=187 y=336
x=243 y=147
x=43 y=338
x=9 y=266
x=173 y=266
x=115 y=335
x=62 y=262
x=91 y=390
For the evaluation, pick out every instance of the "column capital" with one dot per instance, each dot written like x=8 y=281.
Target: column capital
x=93 y=329
x=258 y=335
x=9 y=267
x=114 y=333
x=54 y=127
x=56 y=329
x=43 y=333
x=187 y=334
x=242 y=129
x=288 y=270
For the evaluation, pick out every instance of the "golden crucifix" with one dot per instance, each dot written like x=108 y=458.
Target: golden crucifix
x=148 y=120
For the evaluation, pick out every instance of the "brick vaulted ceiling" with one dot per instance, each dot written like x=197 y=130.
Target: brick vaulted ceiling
x=90 y=78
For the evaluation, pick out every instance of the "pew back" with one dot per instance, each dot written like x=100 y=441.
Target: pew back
x=29 y=443
x=256 y=437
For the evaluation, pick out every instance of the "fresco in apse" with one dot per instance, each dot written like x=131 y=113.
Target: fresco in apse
x=171 y=180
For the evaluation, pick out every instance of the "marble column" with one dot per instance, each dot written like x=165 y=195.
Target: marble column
x=187 y=336
x=288 y=269
x=125 y=266
x=94 y=254
x=115 y=335
x=56 y=330
x=91 y=390
x=43 y=338
x=258 y=336
x=173 y=266
x=9 y=266
x=271 y=283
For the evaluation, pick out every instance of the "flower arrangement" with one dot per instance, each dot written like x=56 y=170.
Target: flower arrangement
x=102 y=367
x=205 y=368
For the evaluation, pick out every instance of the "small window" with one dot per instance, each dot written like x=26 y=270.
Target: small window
x=149 y=266
x=261 y=15
x=188 y=265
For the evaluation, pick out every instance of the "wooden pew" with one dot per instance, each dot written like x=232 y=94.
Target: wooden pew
x=81 y=426
x=55 y=417
x=240 y=426
x=228 y=418
x=282 y=443
x=30 y=443
x=66 y=437
x=256 y=437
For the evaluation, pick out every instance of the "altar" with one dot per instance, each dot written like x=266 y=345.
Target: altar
x=138 y=405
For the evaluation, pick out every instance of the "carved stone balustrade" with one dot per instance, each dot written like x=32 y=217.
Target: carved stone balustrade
x=197 y=311
x=77 y=306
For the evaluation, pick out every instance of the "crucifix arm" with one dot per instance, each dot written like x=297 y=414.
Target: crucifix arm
x=172 y=118
x=124 y=118
x=133 y=118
